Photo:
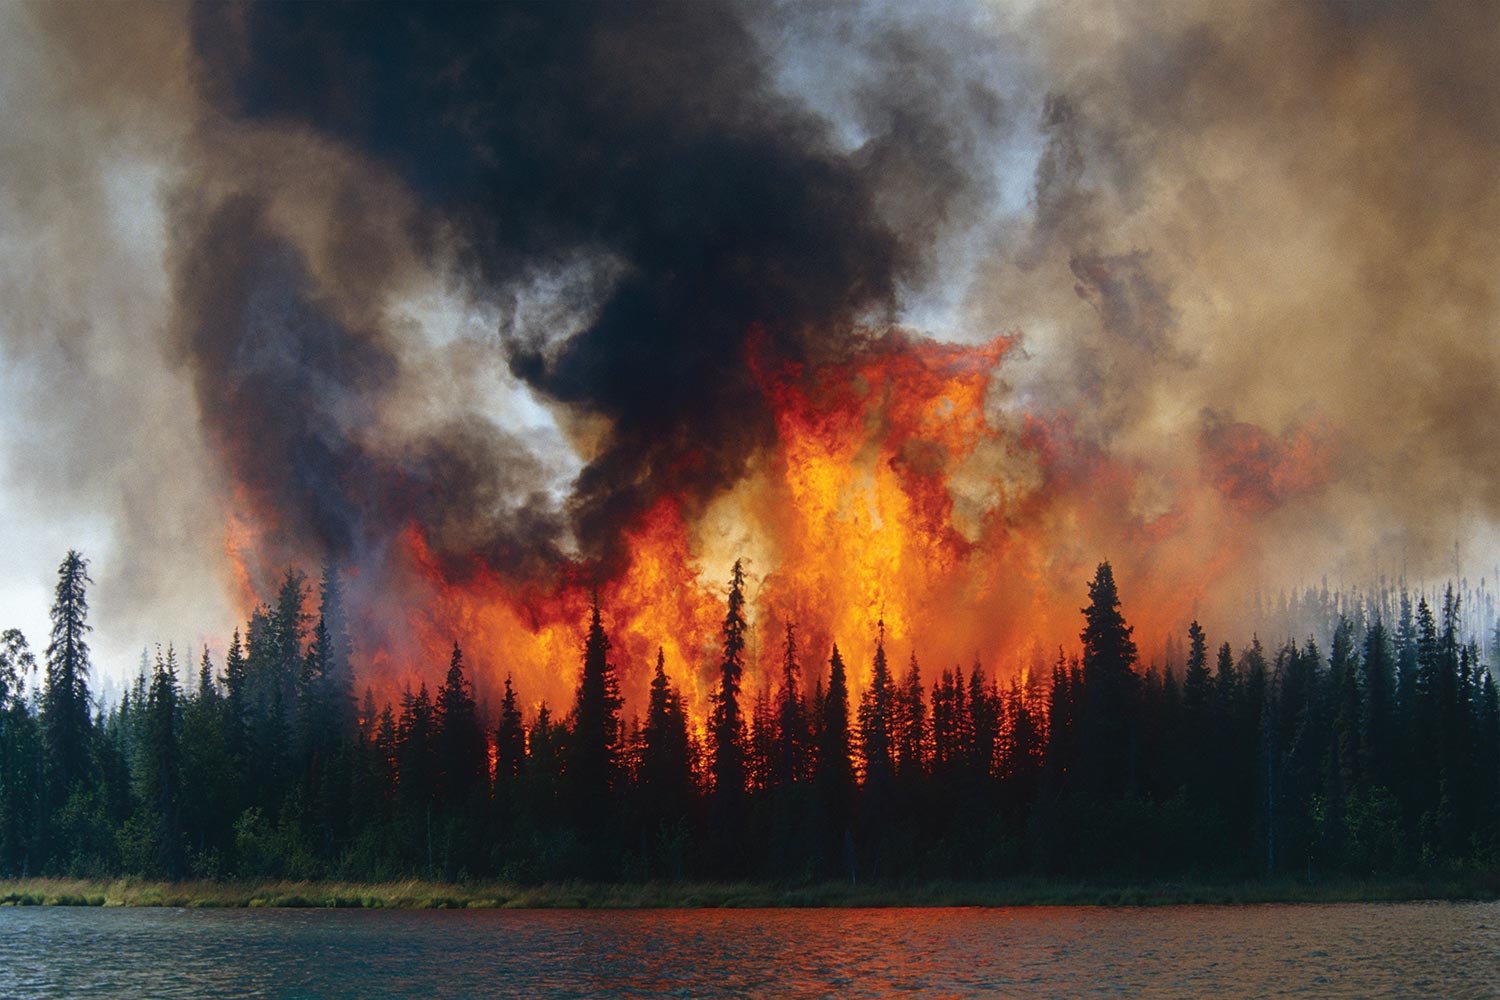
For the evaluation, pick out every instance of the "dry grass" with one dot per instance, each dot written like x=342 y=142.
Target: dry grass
x=419 y=894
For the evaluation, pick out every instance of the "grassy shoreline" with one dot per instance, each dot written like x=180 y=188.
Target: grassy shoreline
x=417 y=894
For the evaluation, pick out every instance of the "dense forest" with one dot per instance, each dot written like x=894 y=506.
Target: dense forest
x=1381 y=754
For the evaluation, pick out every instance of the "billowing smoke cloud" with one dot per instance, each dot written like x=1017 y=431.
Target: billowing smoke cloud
x=328 y=273
x=1282 y=219
x=648 y=135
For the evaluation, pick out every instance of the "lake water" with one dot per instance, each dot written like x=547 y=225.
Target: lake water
x=1432 y=950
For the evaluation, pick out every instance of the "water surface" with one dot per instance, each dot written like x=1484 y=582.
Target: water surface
x=1410 y=949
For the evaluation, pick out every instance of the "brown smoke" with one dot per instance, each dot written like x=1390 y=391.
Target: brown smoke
x=1257 y=259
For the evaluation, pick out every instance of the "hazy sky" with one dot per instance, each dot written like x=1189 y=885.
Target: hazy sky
x=1280 y=216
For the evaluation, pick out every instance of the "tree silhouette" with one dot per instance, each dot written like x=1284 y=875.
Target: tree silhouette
x=462 y=765
x=1108 y=736
x=65 y=698
x=1383 y=758
x=727 y=725
x=595 y=743
x=510 y=737
x=876 y=721
x=666 y=773
x=835 y=767
x=792 y=729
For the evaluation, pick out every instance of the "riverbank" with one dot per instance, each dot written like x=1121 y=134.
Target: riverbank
x=416 y=894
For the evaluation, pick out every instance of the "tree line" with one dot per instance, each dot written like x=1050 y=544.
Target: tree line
x=1382 y=755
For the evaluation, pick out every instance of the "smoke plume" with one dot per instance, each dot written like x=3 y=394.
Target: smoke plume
x=491 y=305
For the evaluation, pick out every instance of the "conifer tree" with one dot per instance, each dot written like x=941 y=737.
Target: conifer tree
x=666 y=755
x=66 y=712
x=876 y=715
x=461 y=752
x=911 y=724
x=727 y=726
x=21 y=756
x=1196 y=690
x=984 y=730
x=1062 y=749
x=1344 y=668
x=595 y=745
x=1107 y=747
x=510 y=737
x=209 y=775
x=160 y=767
x=834 y=765
x=416 y=737
x=792 y=729
x=286 y=634
x=761 y=745
x=337 y=655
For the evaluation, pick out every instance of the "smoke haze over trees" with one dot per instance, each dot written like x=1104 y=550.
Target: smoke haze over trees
x=457 y=297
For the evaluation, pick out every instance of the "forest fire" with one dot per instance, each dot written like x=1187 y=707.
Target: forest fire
x=898 y=489
x=695 y=347
x=818 y=449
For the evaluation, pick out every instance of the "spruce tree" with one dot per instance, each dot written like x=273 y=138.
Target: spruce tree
x=666 y=774
x=1107 y=732
x=792 y=729
x=286 y=634
x=510 y=737
x=727 y=725
x=595 y=744
x=876 y=714
x=21 y=757
x=461 y=752
x=66 y=720
x=338 y=669
x=1196 y=689
x=835 y=767
x=1378 y=735
x=209 y=775
x=911 y=724
x=160 y=767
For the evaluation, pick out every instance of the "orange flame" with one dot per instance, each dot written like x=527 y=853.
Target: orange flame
x=897 y=490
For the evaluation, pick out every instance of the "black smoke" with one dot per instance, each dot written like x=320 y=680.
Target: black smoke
x=650 y=135
x=291 y=395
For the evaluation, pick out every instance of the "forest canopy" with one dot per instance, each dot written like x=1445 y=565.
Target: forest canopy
x=1380 y=754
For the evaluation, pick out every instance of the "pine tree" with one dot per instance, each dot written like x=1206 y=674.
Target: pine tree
x=1062 y=708
x=417 y=774
x=595 y=745
x=510 y=738
x=462 y=764
x=286 y=634
x=1024 y=749
x=727 y=726
x=911 y=725
x=21 y=756
x=338 y=670
x=876 y=715
x=416 y=755
x=66 y=720
x=1344 y=668
x=209 y=777
x=1378 y=735
x=1107 y=734
x=1196 y=690
x=792 y=729
x=761 y=745
x=160 y=767
x=984 y=713
x=666 y=757
x=834 y=766
x=1226 y=687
